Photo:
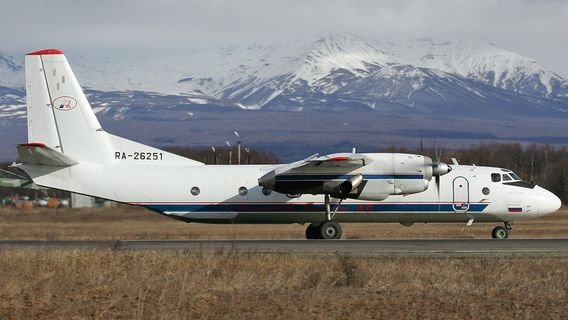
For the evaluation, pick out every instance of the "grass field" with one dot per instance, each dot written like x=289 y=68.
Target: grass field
x=232 y=285
x=86 y=284
x=137 y=223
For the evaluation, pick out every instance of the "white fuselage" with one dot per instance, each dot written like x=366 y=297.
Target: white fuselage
x=167 y=189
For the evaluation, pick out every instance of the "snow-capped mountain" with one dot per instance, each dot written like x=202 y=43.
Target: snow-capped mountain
x=11 y=70
x=336 y=72
x=485 y=62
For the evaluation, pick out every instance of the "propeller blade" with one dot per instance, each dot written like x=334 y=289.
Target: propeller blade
x=436 y=155
x=437 y=181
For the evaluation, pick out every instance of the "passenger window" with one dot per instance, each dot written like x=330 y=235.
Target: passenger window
x=506 y=177
x=495 y=177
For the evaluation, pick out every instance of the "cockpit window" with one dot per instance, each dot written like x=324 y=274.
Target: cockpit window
x=495 y=177
x=514 y=176
x=511 y=179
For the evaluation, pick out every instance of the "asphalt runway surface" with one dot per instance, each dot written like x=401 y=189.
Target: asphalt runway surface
x=414 y=247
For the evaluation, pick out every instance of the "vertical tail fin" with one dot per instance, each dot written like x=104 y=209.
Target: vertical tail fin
x=61 y=118
x=59 y=114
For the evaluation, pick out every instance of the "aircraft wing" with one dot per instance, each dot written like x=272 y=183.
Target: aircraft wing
x=348 y=161
x=318 y=175
x=344 y=160
x=40 y=154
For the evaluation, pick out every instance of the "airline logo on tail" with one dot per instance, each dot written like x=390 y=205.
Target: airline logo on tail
x=64 y=103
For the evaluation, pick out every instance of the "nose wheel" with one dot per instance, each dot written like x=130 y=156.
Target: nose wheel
x=502 y=232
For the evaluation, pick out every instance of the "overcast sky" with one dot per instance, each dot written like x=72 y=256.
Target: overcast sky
x=534 y=28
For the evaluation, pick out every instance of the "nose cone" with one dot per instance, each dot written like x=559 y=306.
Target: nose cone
x=548 y=202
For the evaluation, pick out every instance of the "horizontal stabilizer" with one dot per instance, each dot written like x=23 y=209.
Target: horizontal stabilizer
x=18 y=183
x=40 y=154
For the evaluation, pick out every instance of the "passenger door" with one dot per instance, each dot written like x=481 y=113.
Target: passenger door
x=461 y=195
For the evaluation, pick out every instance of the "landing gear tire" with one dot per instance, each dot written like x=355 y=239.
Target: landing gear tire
x=500 y=233
x=312 y=232
x=330 y=230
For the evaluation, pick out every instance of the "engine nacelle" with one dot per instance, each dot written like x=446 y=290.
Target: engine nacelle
x=351 y=184
x=342 y=189
x=395 y=174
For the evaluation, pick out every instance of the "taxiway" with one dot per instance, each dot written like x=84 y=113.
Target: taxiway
x=421 y=247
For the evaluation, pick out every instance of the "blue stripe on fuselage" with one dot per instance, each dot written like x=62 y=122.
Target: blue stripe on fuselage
x=302 y=177
x=287 y=207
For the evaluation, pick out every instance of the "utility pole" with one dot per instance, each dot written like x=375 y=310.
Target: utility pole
x=247 y=150
x=214 y=154
x=238 y=147
x=230 y=152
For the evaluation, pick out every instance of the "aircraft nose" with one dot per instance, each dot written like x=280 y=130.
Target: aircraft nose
x=548 y=202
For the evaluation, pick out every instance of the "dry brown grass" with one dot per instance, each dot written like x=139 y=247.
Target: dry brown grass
x=137 y=223
x=85 y=284
x=155 y=285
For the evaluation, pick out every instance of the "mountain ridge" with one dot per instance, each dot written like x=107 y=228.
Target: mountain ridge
x=331 y=73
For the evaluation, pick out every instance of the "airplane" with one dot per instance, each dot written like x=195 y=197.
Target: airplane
x=67 y=149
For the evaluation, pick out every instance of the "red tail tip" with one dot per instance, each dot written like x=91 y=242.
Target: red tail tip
x=33 y=144
x=45 y=52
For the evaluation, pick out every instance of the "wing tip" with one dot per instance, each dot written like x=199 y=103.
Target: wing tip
x=45 y=52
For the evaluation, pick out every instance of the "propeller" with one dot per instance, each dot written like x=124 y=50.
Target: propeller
x=437 y=152
x=436 y=173
x=439 y=168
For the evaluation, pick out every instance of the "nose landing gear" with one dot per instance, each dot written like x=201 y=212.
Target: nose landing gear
x=502 y=232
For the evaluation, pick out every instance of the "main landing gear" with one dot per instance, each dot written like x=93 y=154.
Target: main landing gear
x=329 y=229
x=502 y=232
x=325 y=230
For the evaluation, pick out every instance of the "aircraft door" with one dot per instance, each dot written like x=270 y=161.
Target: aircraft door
x=461 y=195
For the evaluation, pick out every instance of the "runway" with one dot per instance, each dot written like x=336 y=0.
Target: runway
x=415 y=247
